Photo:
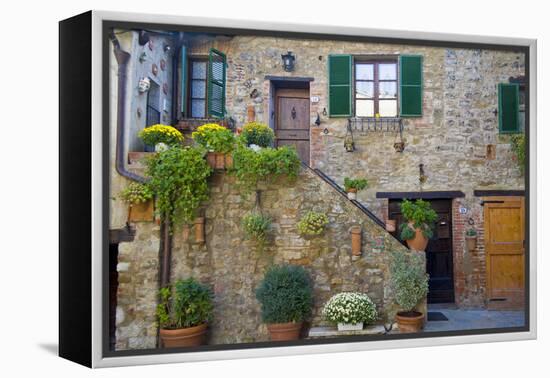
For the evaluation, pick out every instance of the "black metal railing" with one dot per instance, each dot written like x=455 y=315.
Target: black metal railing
x=373 y=124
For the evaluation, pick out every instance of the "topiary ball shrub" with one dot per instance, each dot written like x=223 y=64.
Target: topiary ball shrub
x=286 y=294
x=350 y=308
x=258 y=134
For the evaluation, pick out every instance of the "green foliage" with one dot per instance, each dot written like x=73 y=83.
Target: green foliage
x=286 y=294
x=256 y=227
x=155 y=134
x=409 y=279
x=313 y=223
x=265 y=165
x=258 y=134
x=136 y=193
x=179 y=180
x=215 y=138
x=518 y=146
x=471 y=232
x=420 y=214
x=350 y=308
x=187 y=303
x=358 y=184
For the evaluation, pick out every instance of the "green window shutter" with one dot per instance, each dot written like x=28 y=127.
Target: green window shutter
x=410 y=85
x=216 y=83
x=340 y=84
x=508 y=108
x=184 y=70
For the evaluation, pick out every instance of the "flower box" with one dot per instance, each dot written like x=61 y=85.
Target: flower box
x=141 y=212
x=218 y=160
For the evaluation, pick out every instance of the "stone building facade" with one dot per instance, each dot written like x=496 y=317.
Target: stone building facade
x=456 y=141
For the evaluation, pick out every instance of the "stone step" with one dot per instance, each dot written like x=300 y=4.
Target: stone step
x=324 y=331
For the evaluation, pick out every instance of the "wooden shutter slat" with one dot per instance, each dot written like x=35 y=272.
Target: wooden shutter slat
x=508 y=108
x=216 y=83
x=340 y=84
x=410 y=85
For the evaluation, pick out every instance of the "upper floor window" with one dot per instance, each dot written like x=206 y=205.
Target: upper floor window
x=197 y=101
x=375 y=88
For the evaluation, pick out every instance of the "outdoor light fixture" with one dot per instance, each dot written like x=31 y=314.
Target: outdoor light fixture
x=288 y=61
x=318 y=120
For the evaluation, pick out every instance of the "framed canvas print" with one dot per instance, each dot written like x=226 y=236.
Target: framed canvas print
x=235 y=189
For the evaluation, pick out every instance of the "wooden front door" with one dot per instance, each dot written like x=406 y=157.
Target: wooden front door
x=505 y=251
x=439 y=252
x=292 y=120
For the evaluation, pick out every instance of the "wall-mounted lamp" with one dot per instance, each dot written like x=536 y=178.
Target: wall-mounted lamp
x=288 y=61
x=325 y=112
x=143 y=37
x=318 y=120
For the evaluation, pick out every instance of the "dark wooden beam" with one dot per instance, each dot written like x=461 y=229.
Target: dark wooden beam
x=498 y=193
x=423 y=195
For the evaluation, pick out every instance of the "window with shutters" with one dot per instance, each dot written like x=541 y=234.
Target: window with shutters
x=375 y=88
x=197 y=88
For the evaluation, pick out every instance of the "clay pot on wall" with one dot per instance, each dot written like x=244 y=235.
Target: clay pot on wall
x=419 y=242
x=391 y=225
x=284 y=331
x=183 y=337
x=141 y=212
x=410 y=321
x=199 y=230
x=352 y=193
x=356 y=241
x=218 y=160
x=471 y=242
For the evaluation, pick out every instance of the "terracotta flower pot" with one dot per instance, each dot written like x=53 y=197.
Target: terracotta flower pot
x=391 y=225
x=218 y=160
x=419 y=242
x=284 y=331
x=141 y=212
x=183 y=337
x=199 y=230
x=471 y=242
x=352 y=193
x=410 y=321
x=356 y=240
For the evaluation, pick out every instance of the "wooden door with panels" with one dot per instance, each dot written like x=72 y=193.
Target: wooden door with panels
x=292 y=120
x=504 y=224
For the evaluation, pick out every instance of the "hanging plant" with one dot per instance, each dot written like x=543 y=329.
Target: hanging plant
x=313 y=223
x=179 y=180
x=256 y=227
x=136 y=193
x=518 y=147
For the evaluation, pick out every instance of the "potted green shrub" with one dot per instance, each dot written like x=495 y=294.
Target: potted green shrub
x=256 y=227
x=471 y=239
x=183 y=313
x=417 y=228
x=286 y=297
x=257 y=134
x=350 y=311
x=410 y=284
x=352 y=186
x=219 y=141
x=160 y=136
x=312 y=224
x=139 y=198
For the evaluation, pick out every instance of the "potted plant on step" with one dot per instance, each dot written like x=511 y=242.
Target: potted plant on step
x=352 y=186
x=160 y=137
x=183 y=313
x=140 y=202
x=312 y=224
x=417 y=228
x=257 y=134
x=286 y=297
x=471 y=239
x=410 y=284
x=350 y=311
x=219 y=141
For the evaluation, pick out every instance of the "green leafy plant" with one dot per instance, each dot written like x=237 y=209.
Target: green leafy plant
x=286 y=294
x=357 y=184
x=136 y=193
x=258 y=134
x=313 y=223
x=517 y=143
x=256 y=227
x=187 y=303
x=471 y=232
x=179 y=180
x=214 y=138
x=155 y=134
x=408 y=279
x=421 y=215
x=350 y=308
x=266 y=165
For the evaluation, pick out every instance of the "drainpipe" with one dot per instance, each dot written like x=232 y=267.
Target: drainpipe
x=122 y=58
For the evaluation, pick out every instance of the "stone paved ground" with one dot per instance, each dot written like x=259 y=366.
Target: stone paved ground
x=473 y=319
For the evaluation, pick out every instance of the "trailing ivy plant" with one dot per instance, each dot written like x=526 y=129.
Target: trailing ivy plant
x=421 y=215
x=256 y=227
x=136 y=193
x=251 y=167
x=179 y=180
x=518 y=146
x=408 y=279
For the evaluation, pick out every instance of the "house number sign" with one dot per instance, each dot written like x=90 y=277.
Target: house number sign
x=315 y=99
x=462 y=210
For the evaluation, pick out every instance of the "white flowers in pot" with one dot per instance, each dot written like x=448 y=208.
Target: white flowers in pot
x=350 y=311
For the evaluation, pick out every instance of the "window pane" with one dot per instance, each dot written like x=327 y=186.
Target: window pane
x=387 y=71
x=388 y=89
x=364 y=108
x=198 y=89
x=364 y=71
x=198 y=108
x=364 y=89
x=388 y=108
x=199 y=70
